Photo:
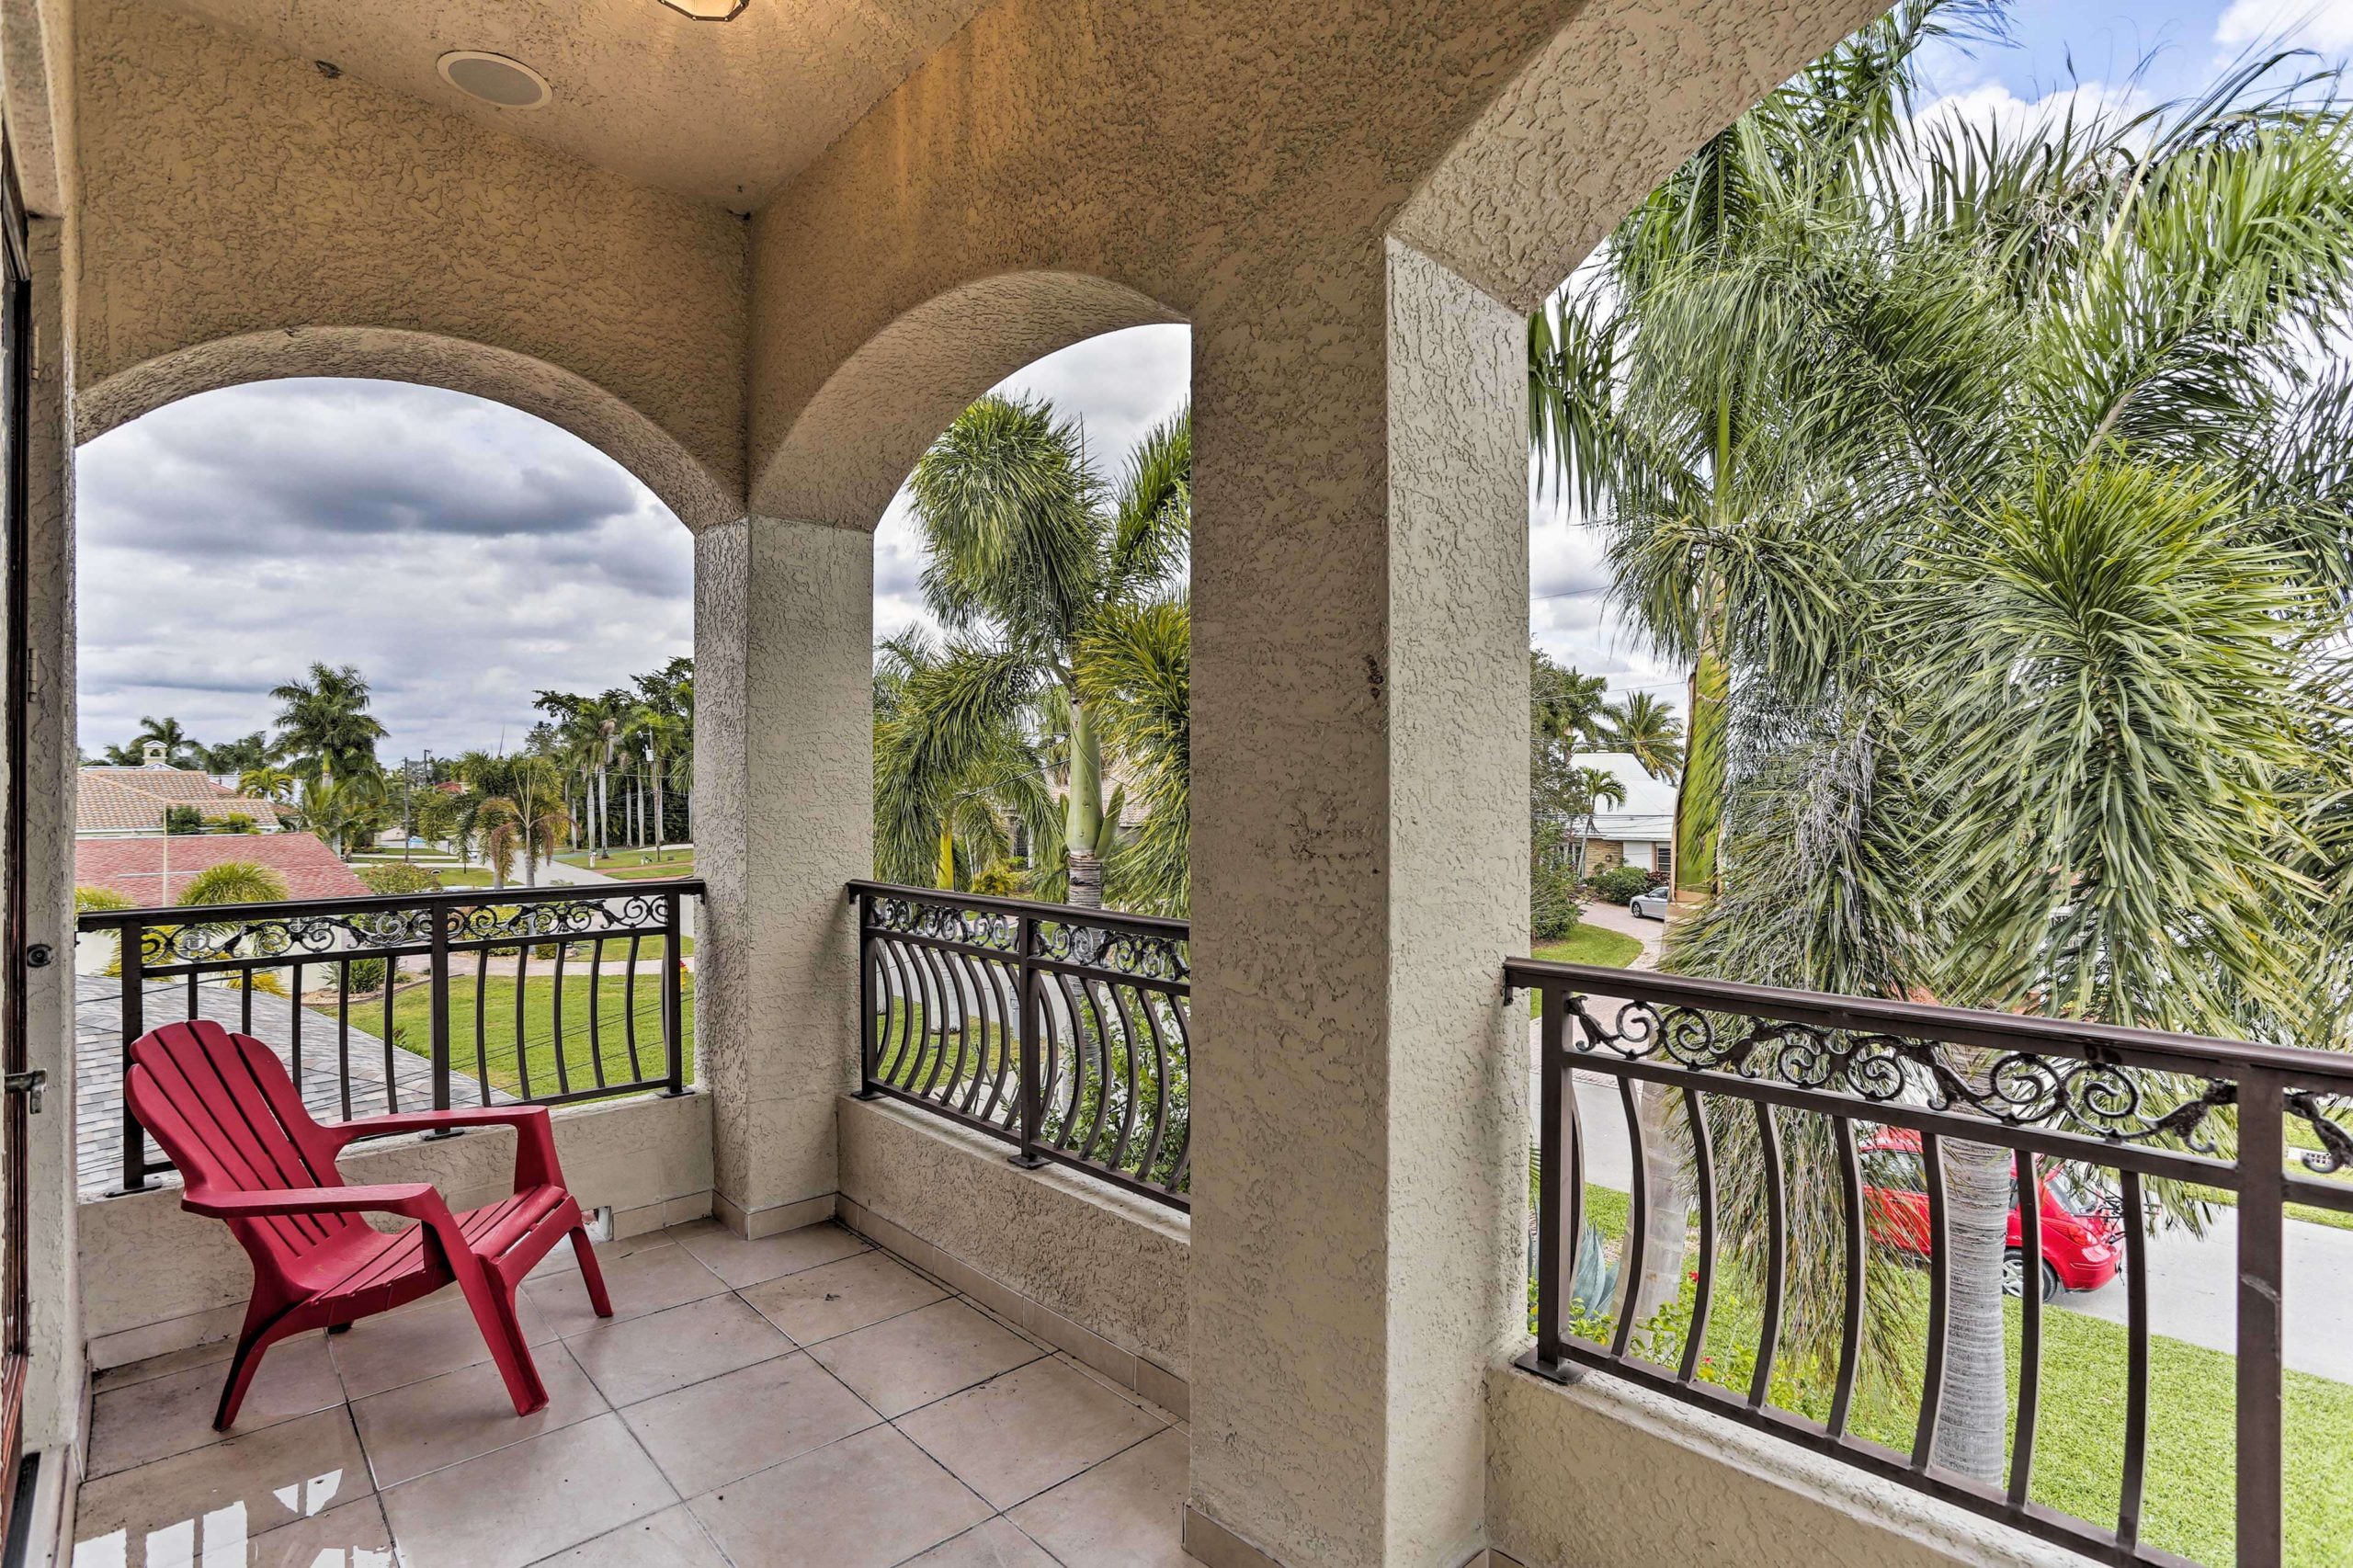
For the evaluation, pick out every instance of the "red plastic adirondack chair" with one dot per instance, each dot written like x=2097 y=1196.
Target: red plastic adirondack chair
x=222 y=1107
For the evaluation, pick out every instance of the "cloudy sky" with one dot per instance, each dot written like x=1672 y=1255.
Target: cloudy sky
x=464 y=555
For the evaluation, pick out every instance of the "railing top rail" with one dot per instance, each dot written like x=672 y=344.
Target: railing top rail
x=2199 y=1055
x=226 y=913
x=1159 y=925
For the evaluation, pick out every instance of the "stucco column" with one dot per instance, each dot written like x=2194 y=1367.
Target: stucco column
x=783 y=816
x=53 y=1390
x=1360 y=870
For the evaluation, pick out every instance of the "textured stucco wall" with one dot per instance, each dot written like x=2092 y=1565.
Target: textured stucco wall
x=227 y=190
x=1112 y=1262
x=149 y=1265
x=784 y=738
x=1360 y=622
x=1605 y=1476
x=53 y=1391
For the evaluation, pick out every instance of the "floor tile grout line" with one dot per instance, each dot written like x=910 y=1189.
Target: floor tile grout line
x=609 y=1408
x=809 y=1344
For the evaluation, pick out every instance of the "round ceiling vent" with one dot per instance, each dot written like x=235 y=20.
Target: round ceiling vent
x=494 y=79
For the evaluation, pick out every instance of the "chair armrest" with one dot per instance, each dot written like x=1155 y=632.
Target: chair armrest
x=415 y=1200
x=362 y=1127
x=535 y=1161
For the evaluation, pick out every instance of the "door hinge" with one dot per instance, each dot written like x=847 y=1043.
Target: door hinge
x=29 y=1084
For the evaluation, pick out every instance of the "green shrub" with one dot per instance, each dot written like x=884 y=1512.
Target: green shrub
x=1619 y=884
x=397 y=876
x=366 y=975
x=1554 y=903
x=88 y=900
x=183 y=819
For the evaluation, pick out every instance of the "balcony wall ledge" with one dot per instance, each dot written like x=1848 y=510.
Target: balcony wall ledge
x=1602 y=1473
x=157 y=1279
x=1081 y=1263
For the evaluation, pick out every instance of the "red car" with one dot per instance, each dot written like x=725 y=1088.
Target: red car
x=2083 y=1235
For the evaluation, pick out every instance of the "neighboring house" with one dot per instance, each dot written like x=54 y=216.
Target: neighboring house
x=152 y=871
x=1640 y=832
x=115 y=802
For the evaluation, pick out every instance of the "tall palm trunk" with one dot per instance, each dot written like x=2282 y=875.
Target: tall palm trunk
x=1699 y=798
x=1082 y=813
x=604 y=815
x=1973 y=1414
x=661 y=811
x=1666 y=1223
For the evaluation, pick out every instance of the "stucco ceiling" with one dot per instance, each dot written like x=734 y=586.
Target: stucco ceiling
x=724 y=110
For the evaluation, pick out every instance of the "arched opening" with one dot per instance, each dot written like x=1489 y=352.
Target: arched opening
x=698 y=496
x=343 y=638
x=1920 y=731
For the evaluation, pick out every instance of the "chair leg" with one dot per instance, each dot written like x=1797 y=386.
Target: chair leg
x=242 y=1366
x=591 y=1272
x=493 y=1300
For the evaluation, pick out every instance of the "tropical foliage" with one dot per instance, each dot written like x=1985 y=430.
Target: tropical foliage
x=1991 y=484
x=1067 y=664
x=630 y=747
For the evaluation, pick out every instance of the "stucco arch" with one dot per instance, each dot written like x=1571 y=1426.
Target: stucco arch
x=847 y=452
x=568 y=400
x=1597 y=118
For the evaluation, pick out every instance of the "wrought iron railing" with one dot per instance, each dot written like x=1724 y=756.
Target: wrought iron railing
x=309 y=977
x=1061 y=1030
x=2125 y=1111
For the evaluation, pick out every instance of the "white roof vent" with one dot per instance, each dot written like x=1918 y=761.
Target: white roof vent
x=494 y=79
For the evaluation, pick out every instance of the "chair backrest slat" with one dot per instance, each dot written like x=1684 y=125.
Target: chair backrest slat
x=224 y=1109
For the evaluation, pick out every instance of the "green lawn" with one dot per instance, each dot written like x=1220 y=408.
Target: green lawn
x=413 y=1029
x=672 y=860
x=648 y=872
x=2188 y=1504
x=1586 y=944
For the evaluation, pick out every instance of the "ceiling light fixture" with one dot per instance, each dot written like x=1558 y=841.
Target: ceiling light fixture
x=494 y=79
x=709 y=10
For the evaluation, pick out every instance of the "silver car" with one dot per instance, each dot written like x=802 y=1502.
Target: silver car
x=1652 y=906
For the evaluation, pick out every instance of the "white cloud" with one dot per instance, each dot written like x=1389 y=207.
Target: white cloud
x=463 y=554
x=2323 y=25
x=1992 y=102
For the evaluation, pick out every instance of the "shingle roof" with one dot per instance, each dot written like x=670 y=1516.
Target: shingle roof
x=132 y=799
x=134 y=867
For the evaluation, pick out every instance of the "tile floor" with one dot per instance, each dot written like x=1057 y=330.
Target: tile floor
x=799 y=1400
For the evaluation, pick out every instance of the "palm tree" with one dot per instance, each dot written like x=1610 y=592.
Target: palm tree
x=234 y=881
x=1031 y=553
x=512 y=805
x=177 y=741
x=660 y=726
x=2022 y=615
x=267 y=783
x=1591 y=787
x=324 y=725
x=346 y=812
x=1648 y=728
x=1135 y=669
x=1649 y=406
x=945 y=800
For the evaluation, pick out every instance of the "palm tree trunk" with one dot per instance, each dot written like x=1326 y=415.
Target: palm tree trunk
x=1082 y=811
x=1973 y=1414
x=661 y=811
x=1666 y=1225
x=604 y=815
x=1700 y=797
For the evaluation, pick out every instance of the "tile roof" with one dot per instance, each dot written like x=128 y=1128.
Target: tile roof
x=132 y=799
x=134 y=867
